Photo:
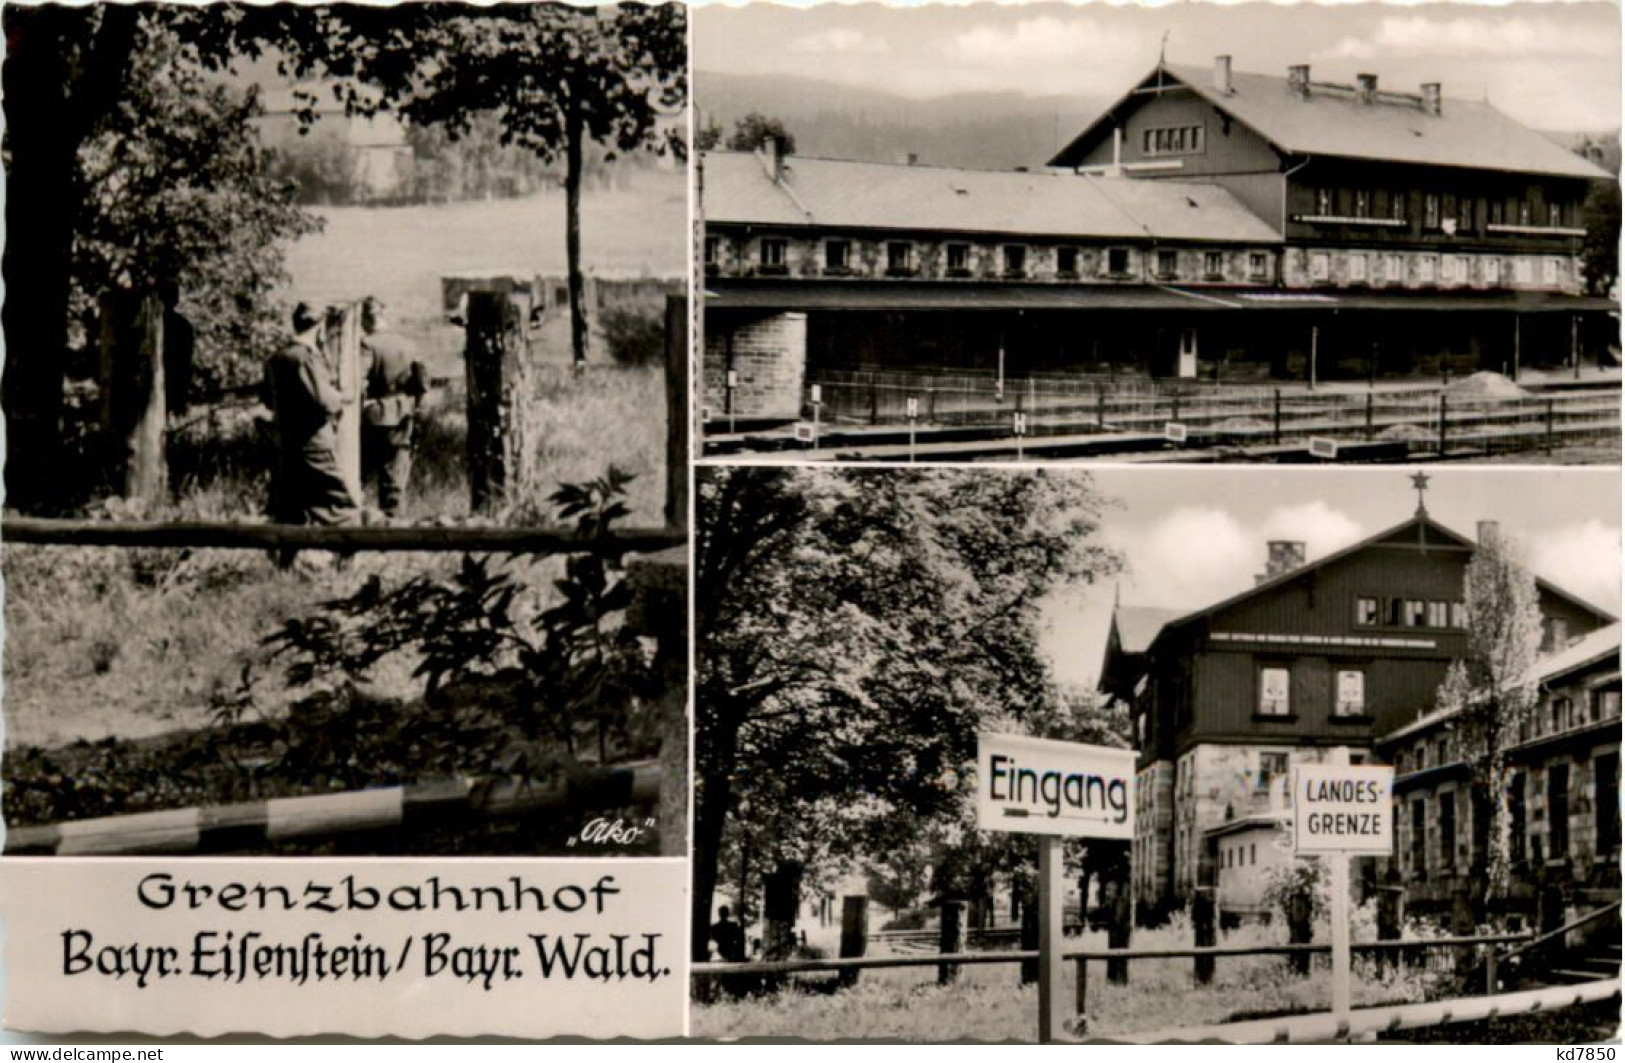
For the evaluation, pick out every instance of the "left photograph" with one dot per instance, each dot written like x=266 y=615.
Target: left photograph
x=344 y=392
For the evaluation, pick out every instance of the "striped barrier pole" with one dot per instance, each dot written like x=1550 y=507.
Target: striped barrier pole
x=255 y=824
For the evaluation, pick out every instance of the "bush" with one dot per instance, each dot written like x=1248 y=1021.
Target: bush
x=635 y=336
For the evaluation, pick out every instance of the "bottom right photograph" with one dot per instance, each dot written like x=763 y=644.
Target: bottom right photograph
x=1157 y=754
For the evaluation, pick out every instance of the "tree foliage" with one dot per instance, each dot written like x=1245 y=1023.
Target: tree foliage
x=1600 y=252
x=1492 y=691
x=754 y=130
x=177 y=188
x=855 y=632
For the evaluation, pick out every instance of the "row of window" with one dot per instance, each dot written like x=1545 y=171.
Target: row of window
x=1525 y=847
x=1410 y=612
x=1173 y=140
x=1449 y=214
x=1431 y=269
x=901 y=258
x=1553 y=717
x=1275 y=691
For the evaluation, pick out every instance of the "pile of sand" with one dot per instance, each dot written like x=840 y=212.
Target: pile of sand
x=1485 y=386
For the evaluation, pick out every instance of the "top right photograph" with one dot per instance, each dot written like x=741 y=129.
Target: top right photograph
x=1248 y=233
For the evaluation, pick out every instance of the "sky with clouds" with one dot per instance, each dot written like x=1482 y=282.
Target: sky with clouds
x=1555 y=65
x=1192 y=537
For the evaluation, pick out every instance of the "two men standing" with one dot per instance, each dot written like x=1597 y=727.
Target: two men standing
x=301 y=388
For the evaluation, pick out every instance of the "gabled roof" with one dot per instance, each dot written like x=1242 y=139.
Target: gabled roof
x=1138 y=625
x=1332 y=121
x=1594 y=648
x=1420 y=524
x=840 y=194
x=1583 y=652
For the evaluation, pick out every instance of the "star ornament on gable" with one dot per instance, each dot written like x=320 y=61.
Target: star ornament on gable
x=1420 y=481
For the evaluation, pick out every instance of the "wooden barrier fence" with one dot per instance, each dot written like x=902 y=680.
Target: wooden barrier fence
x=255 y=824
x=1370 y=1022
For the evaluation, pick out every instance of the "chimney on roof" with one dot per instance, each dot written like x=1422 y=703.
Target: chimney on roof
x=1221 y=75
x=913 y=159
x=772 y=155
x=1297 y=79
x=1488 y=532
x=1432 y=98
x=1368 y=87
x=1284 y=556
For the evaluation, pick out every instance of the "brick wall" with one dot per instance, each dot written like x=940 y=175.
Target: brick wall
x=768 y=356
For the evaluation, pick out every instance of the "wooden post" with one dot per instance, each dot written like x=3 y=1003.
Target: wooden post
x=1118 y=932
x=342 y=343
x=1390 y=919
x=1339 y=868
x=1081 y=987
x=1314 y=355
x=1444 y=421
x=496 y=358
x=1517 y=345
x=951 y=939
x=132 y=382
x=1299 y=929
x=1277 y=416
x=1051 y=928
x=1031 y=931
x=1204 y=915
x=1370 y=414
x=854 y=934
x=1574 y=343
x=677 y=406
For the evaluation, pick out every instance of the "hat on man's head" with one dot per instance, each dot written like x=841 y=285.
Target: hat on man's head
x=305 y=318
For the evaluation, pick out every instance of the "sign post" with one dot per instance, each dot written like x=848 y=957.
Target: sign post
x=1339 y=810
x=817 y=402
x=1055 y=790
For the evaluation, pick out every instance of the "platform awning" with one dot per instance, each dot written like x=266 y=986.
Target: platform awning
x=894 y=295
x=793 y=295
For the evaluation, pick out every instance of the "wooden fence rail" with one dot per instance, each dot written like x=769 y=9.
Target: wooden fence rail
x=859 y=963
x=256 y=824
x=1368 y=1022
x=341 y=538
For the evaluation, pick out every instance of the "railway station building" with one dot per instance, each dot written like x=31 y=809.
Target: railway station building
x=1210 y=225
x=1348 y=650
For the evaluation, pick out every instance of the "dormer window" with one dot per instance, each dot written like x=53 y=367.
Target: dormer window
x=773 y=249
x=1213 y=264
x=958 y=260
x=1117 y=261
x=837 y=256
x=1066 y=261
x=1258 y=265
x=1167 y=263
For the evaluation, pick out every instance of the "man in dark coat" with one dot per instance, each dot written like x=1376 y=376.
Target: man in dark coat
x=307 y=486
x=396 y=384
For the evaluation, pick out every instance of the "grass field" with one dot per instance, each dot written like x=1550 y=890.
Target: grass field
x=400 y=253
x=987 y=1003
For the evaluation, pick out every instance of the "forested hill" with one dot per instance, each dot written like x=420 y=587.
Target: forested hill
x=981 y=130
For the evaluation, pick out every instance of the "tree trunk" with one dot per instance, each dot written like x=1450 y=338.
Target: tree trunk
x=65 y=103
x=781 y=904
x=132 y=385
x=712 y=797
x=494 y=360
x=573 y=134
